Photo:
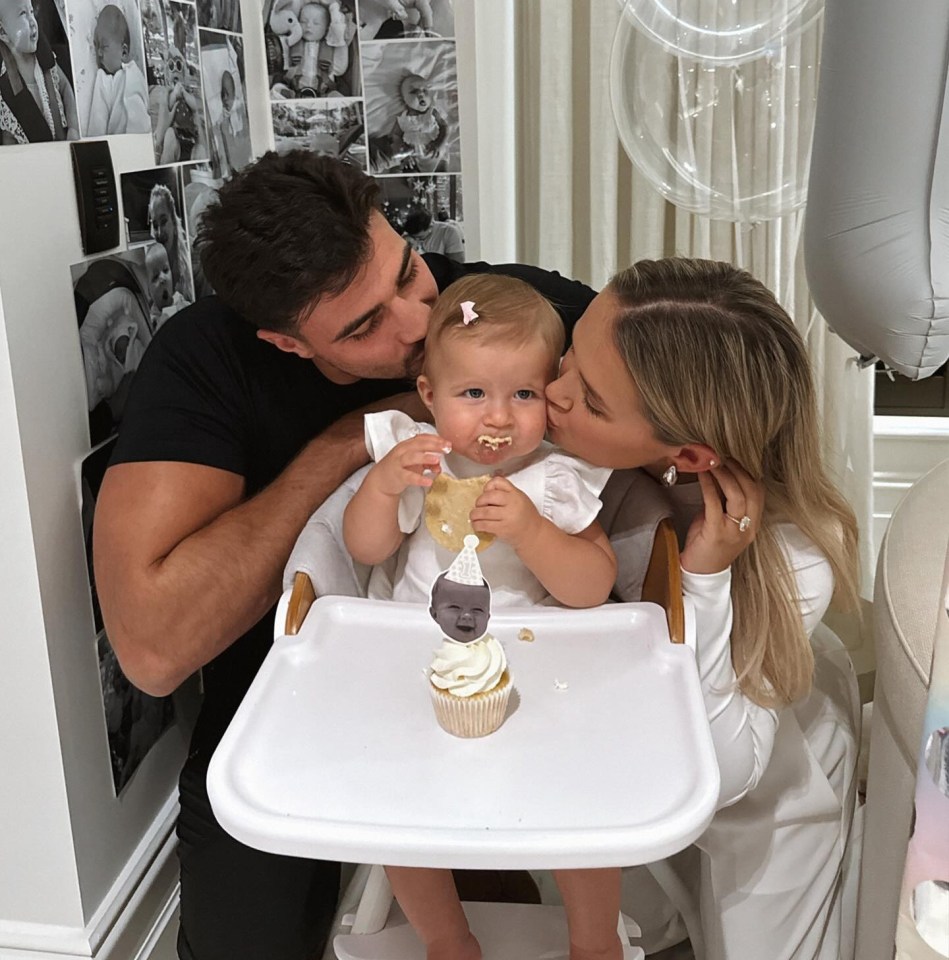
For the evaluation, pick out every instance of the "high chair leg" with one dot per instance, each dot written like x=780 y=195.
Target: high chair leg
x=374 y=905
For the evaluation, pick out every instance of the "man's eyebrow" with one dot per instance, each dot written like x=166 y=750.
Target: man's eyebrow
x=354 y=325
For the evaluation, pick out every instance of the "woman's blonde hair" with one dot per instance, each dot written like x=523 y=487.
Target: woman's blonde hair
x=716 y=360
x=509 y=310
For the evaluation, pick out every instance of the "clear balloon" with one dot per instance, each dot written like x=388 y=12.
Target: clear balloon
x=731 y=142
x=721 y=31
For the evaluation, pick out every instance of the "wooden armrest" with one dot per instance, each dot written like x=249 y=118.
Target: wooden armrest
x=663 y=580
x=301 y=599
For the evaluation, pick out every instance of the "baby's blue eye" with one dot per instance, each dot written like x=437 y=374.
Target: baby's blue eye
x=474 y=393
x=524 y=394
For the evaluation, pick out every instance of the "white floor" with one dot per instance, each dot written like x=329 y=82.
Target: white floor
x=165 y=948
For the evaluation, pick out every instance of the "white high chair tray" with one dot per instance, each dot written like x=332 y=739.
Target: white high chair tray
x=605 y=757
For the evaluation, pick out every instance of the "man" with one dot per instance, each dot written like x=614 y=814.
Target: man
x=245 y=414
x=434 y=236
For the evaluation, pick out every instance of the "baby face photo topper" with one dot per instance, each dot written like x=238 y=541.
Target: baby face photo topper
x=460 y=599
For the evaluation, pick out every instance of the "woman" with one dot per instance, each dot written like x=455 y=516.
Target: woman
x=691 y=368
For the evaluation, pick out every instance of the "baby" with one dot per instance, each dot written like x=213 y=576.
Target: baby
x=165 y=300
x=232 y=147
x=492 y=347
x=180 y=132
x=37 y=99
x=112 y=344
x=418 y=133
x=320 y=59
x=460 y=609
x=120 y=93
x=166 y=227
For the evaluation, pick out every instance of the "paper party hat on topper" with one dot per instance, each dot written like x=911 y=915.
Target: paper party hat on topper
x=466 y=568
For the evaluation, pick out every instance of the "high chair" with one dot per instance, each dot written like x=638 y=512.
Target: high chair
x=505 y=930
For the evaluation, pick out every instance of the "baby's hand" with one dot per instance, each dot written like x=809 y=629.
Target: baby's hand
x=506 y=512
x=412 y=463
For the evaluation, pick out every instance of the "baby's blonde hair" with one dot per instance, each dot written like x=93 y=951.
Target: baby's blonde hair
x=509 y=310
x=717 y=361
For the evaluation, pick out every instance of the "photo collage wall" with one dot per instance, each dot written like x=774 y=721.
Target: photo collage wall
x=372 y=82
x=375 y=83
x=173 y=69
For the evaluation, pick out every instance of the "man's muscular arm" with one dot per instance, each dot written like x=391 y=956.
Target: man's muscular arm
x=184 y=565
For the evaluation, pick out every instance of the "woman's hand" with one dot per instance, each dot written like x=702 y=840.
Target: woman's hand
x=413 y=462
x=715 y=537
x=506 y=512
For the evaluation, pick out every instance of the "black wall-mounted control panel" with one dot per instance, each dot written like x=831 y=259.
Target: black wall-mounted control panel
x=96 y=195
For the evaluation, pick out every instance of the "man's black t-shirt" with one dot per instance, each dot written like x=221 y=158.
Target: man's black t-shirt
x=209 y=391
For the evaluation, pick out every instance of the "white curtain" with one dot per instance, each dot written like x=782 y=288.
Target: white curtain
x=583 y=209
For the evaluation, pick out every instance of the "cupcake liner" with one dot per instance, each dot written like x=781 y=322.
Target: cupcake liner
x=475 y=716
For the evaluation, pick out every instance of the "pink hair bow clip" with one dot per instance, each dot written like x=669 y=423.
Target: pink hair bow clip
x=468 y=314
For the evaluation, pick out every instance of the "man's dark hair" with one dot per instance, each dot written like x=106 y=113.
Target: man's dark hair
x=285 y=232
x=417 y=220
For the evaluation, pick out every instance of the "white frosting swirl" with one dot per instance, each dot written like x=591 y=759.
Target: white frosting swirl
x=465 y=669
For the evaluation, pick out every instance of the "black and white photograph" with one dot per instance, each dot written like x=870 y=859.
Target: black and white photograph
x=222 y=66
x=152 y=204
x=401 y=19
x=91 y=473
x=134 y=720
x=113 y=312
x=312 y=49
x=164 y=297
x=199 y=189
x=220 y=15
x=333 y=128
x=108 y=55
x=37 y=93
x=412 y=107
x=427 y=211
x=937 y=759
x=176 y=101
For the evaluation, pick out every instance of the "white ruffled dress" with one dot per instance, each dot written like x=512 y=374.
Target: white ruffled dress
x=565 y=490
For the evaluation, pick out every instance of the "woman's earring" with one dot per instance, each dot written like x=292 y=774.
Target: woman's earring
x=670 y=476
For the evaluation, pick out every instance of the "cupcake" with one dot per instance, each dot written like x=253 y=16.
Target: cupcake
x=470 y=686
x=469 y=681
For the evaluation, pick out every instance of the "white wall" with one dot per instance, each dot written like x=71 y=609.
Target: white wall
x=64 y=837
x=72 y=855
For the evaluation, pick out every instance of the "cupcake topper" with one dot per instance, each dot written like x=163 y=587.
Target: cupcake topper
x=461 y=597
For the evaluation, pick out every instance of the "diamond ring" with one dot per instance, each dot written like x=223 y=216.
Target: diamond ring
x=743 y=524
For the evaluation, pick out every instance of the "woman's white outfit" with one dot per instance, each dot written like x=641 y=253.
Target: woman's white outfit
x=767 y=877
